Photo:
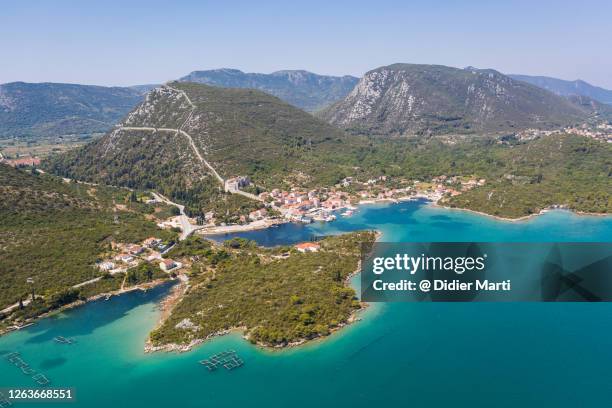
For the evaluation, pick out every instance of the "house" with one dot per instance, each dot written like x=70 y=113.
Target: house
x=23 y=162
x=153 y=256
x=258 y=214
x=127 y=258
x=237 y=182
x=167 y=265
x=135 y=249
x=308 y=247
x=106 y=266
x=151 y=242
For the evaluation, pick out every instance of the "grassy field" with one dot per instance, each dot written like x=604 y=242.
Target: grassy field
x=42 y=147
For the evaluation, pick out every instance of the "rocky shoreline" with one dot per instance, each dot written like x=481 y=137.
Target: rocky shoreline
x=166 y=307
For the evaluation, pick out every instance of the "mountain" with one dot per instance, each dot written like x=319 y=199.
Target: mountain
x=144 y=89
x=303 y=89
x=244 y=132
x=567 y=88
x=52 y=109
x=237 y=131
x=408 y=99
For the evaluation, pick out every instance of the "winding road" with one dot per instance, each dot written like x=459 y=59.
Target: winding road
x=193 y=147
x=187 y=228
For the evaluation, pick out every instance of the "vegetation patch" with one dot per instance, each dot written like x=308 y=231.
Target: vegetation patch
x=277 y=296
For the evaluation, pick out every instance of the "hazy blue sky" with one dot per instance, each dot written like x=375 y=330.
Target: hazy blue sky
x=134 y=42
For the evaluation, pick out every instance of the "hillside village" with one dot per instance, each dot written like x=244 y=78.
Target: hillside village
x=601 y=132
x=125 y=256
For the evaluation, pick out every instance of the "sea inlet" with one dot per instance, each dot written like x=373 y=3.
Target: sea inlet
x=399 y=354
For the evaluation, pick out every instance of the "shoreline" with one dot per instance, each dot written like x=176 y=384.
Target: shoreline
x=82 y=302
x=432 y=201
x=230 y=229
x=435 y=202
x=522 y=218
x=186 y=348
x=167 y=304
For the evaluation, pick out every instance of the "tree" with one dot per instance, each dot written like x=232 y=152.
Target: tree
x=132 y=277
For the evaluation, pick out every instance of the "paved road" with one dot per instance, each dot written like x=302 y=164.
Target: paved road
x=187 y=228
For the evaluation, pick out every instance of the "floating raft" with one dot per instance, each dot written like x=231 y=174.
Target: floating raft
x=63 y=340
x=12 y=356
x=227 y=359
x=4 y=402
x=41 y=379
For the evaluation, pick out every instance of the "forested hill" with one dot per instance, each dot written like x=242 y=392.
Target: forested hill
x=247 y=132
x=238 y=131
x=302 y=89
x=54 y=232
x=52 y=109
x=409 y=99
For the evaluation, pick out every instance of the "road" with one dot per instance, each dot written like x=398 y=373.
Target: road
x=16 y=305
x=193 y=146
x=187 y=228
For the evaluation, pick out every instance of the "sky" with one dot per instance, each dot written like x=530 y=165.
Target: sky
x=139 y=42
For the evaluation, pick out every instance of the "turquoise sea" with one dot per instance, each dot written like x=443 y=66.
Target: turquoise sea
x=412 y=355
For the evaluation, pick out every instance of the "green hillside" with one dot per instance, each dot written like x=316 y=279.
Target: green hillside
x=49 y=109
x=275 y=300
x=250 y=133
x=570 y=171
x=54 y=231
x=239 y=131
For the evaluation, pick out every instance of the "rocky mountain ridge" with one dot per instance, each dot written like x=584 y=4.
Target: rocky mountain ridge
x=303 y=89
x=411 y=99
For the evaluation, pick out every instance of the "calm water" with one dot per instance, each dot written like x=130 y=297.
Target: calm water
x=434 y=355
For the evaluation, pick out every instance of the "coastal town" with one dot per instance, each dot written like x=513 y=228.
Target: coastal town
x=325 y=204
